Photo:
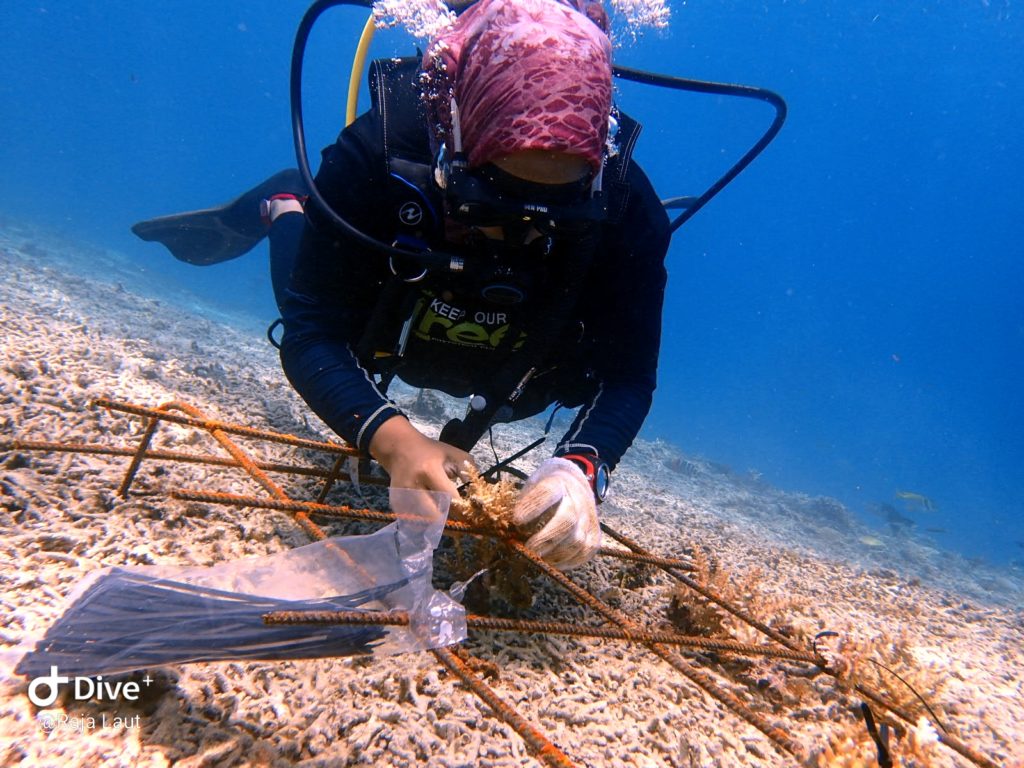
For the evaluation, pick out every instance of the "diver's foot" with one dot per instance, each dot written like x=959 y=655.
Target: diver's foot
x=213 y=235
x=276 y=205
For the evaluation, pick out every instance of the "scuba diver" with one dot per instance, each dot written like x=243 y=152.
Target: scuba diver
x=502 y=154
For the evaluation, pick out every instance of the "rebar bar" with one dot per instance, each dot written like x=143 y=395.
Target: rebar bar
x=210 y=425
x=312 y=508
x=342 y=510
x=174 y=456
x=331 y=479
x=140 y=452
x=662 y=562
x=537 y=741
x=526 y=626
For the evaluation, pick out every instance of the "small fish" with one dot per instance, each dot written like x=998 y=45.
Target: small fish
x=895 y=519
x=916 y=498
x=871 y=541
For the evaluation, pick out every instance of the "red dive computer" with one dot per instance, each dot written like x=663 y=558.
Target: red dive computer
x=595 y=470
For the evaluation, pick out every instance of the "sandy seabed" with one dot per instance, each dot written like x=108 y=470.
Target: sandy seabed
x=75 y=329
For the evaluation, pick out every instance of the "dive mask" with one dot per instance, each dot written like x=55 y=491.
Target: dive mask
x=488 y=196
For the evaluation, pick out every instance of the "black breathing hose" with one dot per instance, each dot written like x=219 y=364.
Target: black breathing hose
x=721 y=89
x=431 y=260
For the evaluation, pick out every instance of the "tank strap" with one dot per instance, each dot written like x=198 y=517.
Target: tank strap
x=617 y=168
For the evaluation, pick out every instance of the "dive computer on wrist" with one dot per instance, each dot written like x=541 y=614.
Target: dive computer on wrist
x=595 y=470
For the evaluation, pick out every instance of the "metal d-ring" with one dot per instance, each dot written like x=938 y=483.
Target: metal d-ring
x=391 y=266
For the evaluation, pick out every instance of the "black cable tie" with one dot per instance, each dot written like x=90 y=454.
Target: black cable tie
x=881 y=739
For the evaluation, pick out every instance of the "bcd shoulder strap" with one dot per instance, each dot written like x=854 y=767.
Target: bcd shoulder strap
x=616 y=169
x=395 y=92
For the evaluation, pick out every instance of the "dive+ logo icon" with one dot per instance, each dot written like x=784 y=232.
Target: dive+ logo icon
x=84 y=688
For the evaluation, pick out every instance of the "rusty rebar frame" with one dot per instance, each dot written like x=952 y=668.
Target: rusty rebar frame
x=659 y=642
x=534 y=738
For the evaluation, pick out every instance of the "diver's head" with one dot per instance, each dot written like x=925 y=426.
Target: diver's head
x=516 y=75
x=518 y=97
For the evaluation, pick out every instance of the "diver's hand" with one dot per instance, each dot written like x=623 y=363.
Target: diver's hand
x=413 y=460
x=558 y=498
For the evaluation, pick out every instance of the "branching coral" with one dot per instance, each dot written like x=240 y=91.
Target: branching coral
x=691 y=613
x=885 y=664
x=491 y=504
x=853 y=747
x=486 y=503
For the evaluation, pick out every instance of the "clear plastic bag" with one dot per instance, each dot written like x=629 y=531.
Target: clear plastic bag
x=125 y=619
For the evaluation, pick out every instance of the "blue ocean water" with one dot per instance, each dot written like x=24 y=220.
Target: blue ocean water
x=844 y=319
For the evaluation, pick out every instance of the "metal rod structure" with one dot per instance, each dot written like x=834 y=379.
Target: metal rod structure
x=372 y=515
x=621 y=628
x=542 y=747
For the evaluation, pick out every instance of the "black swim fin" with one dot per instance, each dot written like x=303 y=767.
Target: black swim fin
x=213 y=235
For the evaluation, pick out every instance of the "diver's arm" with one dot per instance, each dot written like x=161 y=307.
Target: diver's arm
x=334 y=288
x=335 y=282
x=627 y=352
x=325 y=372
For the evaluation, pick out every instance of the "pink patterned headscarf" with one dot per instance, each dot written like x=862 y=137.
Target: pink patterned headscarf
x=525 y=74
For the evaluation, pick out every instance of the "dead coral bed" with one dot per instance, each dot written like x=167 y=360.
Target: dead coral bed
x=791 y=560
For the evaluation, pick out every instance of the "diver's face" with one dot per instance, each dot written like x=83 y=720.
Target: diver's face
x=539 y=167
x=542 y=166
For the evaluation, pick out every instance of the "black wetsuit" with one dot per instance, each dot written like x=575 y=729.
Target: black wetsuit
x=604 y=361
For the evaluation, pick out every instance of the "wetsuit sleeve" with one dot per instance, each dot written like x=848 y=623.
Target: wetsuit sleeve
x=626 y=296
x=334 y=284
